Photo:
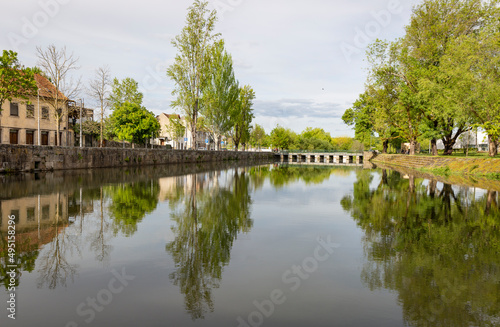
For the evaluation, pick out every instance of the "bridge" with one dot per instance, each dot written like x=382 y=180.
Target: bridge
x=321 y=157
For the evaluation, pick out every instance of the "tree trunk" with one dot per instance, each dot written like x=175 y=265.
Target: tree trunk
x=386 y=145
x=434 y=148
x=217 y=138
x=493 y=146
x=412 y=147
x=236 y=144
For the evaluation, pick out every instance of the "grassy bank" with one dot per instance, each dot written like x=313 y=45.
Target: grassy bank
x=479 y=167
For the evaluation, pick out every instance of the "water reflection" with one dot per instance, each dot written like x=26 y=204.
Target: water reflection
x=435 y=244
x=207 y=221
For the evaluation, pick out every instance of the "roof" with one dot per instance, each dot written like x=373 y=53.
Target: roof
x=46 y=88
x=171 y=115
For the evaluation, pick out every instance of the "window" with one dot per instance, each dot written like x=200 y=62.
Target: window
x=14 y=109
x=30 y=137
x=14 y=139
x=45 y=212
x=30 y=111
x=15 y=213
x=30 y=214
x=59 y=112
x=45 y=138
x=45 y=112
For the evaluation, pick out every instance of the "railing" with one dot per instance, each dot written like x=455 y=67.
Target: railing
x=318 y=151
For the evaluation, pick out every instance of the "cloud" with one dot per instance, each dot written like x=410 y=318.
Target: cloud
x=298 y=108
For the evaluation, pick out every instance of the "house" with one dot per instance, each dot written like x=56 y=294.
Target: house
x=167 y=131
x=33 y=121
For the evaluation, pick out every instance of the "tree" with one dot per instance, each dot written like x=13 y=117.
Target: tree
x=243 y=116
x=99 y=91
x=133 y=123
x=126 y=90
x=16 y=81
x=222 y=92
x=281 y=137
x=258 y=136
x=189 y=71
x=57 y=65
x=472 y=68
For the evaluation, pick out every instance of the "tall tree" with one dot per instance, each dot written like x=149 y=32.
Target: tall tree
x=243 y=116
x=282 y=137
x=99 y=90
x=189 y=71
x=57 y=65
x=16 y=81
x=126 y=90
x=434 y=25
x=222 y=92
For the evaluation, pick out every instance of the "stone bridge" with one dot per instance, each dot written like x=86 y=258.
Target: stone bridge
x=322 y=158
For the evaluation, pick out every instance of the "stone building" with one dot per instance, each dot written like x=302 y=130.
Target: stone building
x=34 y=121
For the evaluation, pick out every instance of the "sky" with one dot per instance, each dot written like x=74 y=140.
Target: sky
x=305 y=59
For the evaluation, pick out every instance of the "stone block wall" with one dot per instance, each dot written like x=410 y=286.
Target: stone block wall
x=18 y=158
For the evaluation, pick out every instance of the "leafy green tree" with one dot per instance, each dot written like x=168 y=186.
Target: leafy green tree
x=282 y=138
x=134 y=123
x=190 y=71
x=243 y=116
x=221 y=94
x=16 y=81
x=258 y=136
x=126 y=90
x=471 y=66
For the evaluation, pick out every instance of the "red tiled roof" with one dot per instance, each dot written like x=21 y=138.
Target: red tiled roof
x=47 y=89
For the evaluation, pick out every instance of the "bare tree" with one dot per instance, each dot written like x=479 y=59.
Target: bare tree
x=57 y=64
x=99 y=90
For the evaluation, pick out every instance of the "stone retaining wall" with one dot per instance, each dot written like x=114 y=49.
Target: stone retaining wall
x=18 y=158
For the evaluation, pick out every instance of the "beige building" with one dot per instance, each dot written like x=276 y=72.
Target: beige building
x=33 y=121
x=184 y=142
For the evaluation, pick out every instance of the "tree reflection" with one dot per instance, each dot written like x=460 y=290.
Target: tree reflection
x=438 y=248
x=206 y=224
x=130 y=203
x=53 y=266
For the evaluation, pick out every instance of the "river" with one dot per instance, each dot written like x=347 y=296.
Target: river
x=235 y=245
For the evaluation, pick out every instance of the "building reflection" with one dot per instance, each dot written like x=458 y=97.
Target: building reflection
x=41 y=222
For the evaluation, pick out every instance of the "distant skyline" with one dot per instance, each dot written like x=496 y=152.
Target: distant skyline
x=304 y=59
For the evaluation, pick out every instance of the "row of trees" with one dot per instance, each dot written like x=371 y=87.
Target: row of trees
x=310 y=139
x=438 y=81
x=205 y=83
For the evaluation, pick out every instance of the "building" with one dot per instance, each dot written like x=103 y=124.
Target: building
x=33 y=121
x=166 y=136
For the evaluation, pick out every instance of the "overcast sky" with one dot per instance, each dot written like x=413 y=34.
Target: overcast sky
x=303 y=58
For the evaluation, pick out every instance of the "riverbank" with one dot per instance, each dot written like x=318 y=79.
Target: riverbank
x=23 y=158
x=488 y=168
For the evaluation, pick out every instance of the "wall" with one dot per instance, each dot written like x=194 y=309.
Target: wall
x=16 y=158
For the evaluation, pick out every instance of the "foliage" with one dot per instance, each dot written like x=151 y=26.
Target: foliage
x=16 y=81
x=89 y=127
x=190 y=70
x=126 y=90
x=258 y=136
x=243 y=116
x=133 y=123
x=282 y=138
x=221 y=94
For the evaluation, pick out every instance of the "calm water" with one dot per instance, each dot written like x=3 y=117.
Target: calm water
x=249 y=246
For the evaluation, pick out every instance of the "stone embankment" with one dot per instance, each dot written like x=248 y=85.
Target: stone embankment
x=22 y=158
